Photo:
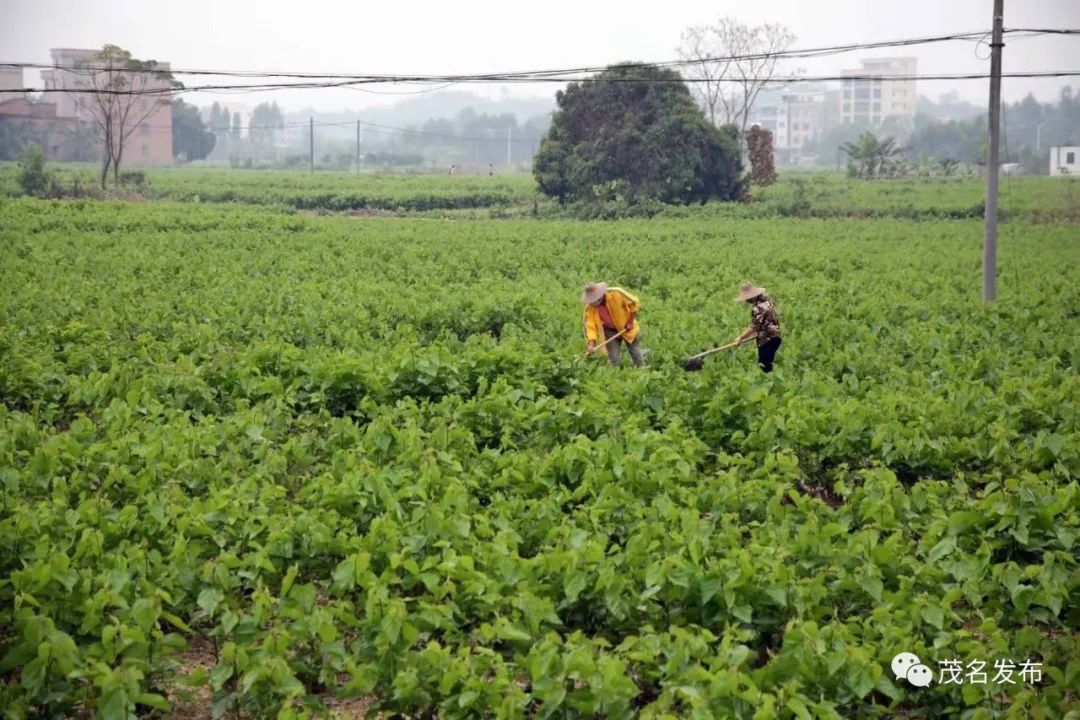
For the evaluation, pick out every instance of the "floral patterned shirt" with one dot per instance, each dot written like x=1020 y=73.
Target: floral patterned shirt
x=764 y=319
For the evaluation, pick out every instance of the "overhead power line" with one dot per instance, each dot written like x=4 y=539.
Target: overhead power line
x=352 y=81
x=795 y=53
x=785 y=80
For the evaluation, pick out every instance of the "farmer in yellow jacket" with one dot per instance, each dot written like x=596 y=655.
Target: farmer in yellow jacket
x=610 y=311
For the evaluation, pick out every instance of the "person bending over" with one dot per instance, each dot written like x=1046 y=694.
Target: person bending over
x=608 y=312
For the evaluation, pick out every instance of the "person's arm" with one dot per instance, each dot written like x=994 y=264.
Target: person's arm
x=592 y=332
x=631 y=304
x=750 y=330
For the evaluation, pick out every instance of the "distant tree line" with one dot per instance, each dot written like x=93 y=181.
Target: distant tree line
x=469 y=138
x=191 y=139
x=257 y=142
x=477 y=138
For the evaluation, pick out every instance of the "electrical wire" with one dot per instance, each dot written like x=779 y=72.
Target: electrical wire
x=556 y=74
x=793 y=79
x=800 y=53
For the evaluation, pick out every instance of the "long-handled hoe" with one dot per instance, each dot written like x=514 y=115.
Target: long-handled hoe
x=696 y=362
x=604 y=344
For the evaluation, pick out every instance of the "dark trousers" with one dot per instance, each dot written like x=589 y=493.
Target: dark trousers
x=766 y=353
x=613 y=350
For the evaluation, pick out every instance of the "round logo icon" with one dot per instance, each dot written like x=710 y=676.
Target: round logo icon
x=920 y=676
x=904 y=662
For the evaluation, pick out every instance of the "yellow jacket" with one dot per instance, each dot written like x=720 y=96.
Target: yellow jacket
x=620 y=305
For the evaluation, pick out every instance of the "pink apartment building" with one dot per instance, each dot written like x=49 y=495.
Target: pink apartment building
x=151 y=141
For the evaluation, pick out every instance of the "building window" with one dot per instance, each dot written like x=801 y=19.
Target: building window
x=877 y=92
x=1070 y=158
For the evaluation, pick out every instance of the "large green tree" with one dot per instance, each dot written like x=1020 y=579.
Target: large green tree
x=191 y=140
x=637 y=125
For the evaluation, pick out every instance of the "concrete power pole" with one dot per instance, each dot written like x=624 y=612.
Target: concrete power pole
x=989 y=282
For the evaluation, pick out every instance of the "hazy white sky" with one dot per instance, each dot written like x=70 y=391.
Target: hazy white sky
x=469 y=36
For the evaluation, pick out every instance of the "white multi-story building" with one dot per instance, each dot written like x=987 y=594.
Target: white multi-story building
x=868 y=97
x=797 y=118
x=809 y=115
x=773 y=118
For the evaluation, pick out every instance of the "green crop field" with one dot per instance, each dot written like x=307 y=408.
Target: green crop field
x=816 y=194
x=325 y=190
x=258 y=464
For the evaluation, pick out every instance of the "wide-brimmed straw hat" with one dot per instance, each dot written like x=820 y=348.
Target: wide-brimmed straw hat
x=749 y=291
x=593 y=292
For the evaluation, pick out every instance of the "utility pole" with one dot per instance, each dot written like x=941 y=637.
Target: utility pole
x=989 y=284
x=357 y=147
x=509 y=128
x=311 y=142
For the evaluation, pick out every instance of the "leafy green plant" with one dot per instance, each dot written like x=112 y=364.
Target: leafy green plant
x=33 y=177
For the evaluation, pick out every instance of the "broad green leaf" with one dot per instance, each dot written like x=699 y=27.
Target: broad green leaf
x=175 y=621
x=798 y=707
x=209 y=599
x=33 y=675
x=942 y=549
x=114 y=703
x=287 y=581
x=220 y=674
x=152 y=700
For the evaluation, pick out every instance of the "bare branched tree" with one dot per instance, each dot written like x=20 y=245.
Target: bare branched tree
x=731 y=62
x=120 y=93
x=697 y=49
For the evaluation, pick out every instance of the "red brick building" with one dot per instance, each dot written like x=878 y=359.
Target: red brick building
x=60 y=138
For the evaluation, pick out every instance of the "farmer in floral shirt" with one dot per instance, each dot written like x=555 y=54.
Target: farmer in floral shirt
x=764 y=323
